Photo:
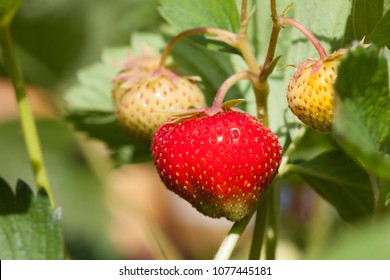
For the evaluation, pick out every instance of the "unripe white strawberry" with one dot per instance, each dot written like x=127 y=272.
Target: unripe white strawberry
x=147 y=95
x=133 y=70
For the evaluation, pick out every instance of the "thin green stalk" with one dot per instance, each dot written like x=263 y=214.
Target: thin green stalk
x=273 y=228
x=244 y=5
x=26 y=117
x=262 y=87
x=276 y=27
x=259 y=230
x=242 y=44
x=231 y=240
x=242 y=38
x=274 y=12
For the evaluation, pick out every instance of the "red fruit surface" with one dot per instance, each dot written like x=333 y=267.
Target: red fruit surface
x=220 y=164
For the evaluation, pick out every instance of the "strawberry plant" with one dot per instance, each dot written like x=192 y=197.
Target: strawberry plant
x=270 y=118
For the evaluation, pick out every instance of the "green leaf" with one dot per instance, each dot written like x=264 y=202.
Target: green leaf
x=380 y=34
x=187 y=14
x=339 y=180
x=28 y=227
x=364 y=242
x=362 y=113
x=94 y=90
x=366 y=14
x=8 y=9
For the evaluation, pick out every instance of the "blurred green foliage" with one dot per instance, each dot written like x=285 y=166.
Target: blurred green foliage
x=57 y=38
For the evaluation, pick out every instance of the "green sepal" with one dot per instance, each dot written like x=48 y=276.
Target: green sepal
x=232 y=103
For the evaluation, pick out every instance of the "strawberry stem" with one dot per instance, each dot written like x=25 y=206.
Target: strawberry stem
x=274 y=12
x=272 y=229
x=228 y=83
x=220 y=34
x=245 y=19
x=259 y=230
x=230 y=242
x=316 y=43
x=262 y=87
x=243 y=44
x=27 y=121
x=244 y=6
x=264 y=73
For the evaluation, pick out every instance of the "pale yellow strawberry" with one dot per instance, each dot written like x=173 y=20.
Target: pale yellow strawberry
x=133 y=70
x=142 y=105
x=310 y=92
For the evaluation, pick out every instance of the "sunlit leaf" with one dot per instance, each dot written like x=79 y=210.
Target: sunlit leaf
x=187 y=14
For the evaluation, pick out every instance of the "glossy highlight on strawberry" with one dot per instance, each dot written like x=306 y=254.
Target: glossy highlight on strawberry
x=220 y=164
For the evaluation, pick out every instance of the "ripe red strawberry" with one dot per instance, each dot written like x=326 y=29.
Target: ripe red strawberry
x=310 y=93
x=219 y=163
x=145 y=95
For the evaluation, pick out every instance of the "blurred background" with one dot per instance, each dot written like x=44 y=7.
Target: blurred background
x=126 y=212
